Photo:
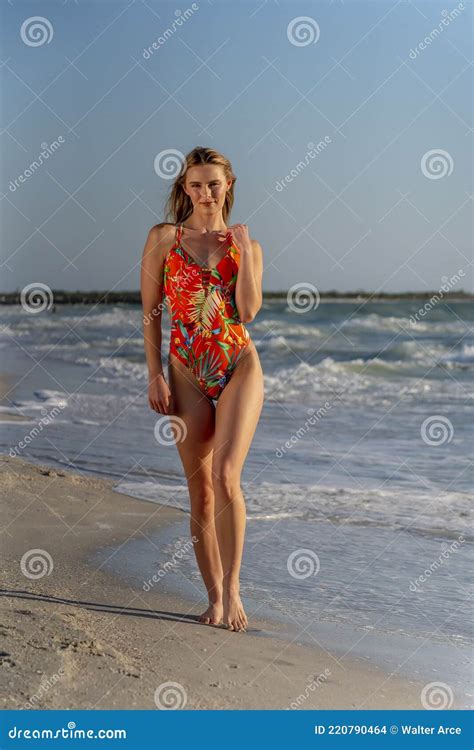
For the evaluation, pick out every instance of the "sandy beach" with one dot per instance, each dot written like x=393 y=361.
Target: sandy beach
x=76 y=637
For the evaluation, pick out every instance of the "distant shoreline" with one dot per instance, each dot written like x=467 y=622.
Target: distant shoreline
x=61 y=297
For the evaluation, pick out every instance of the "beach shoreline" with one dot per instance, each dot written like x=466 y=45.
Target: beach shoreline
x=80 y=637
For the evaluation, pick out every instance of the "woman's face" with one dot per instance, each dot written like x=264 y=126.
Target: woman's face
x=206 y=186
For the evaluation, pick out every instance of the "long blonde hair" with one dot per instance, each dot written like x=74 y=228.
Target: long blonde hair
x=179 y=205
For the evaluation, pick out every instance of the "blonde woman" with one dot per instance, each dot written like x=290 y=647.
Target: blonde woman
x=210 y=276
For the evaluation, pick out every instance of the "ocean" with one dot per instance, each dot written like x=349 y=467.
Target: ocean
x=358 y=483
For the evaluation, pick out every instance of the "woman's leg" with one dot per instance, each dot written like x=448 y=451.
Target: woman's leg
x=195 y=451
x=237 y=413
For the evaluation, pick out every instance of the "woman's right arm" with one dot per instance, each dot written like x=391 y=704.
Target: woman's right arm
x=151 y=286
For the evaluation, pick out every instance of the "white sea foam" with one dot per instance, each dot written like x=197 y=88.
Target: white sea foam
x=376 y=322
x=443 y=513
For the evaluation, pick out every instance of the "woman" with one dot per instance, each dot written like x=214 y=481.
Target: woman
x=211 y=277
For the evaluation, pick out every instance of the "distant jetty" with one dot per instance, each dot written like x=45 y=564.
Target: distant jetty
x=61 y=297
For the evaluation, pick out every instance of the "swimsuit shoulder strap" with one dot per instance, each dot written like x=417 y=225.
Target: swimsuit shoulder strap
x=179 y=233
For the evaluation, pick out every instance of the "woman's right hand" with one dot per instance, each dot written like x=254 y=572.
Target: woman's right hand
x=159 y=395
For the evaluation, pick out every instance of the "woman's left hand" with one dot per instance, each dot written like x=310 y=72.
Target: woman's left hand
x=240 y=232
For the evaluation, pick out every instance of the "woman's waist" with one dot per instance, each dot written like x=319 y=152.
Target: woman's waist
x=232 y=333
x=221 y=321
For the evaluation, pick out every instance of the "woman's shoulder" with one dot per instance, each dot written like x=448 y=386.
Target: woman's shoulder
x=160 y=232
x=160 y=240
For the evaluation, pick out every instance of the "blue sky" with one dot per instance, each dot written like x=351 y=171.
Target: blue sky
x=384 y=205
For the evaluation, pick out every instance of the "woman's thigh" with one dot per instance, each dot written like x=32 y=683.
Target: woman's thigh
x=194 y=416
x=237 y=413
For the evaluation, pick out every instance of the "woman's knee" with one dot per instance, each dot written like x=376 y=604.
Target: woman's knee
x=202 y=503
x=226 y=477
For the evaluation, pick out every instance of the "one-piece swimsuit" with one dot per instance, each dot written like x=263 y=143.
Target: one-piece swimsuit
x=207 y=334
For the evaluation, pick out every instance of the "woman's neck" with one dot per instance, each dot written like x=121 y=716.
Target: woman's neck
x=206 y=225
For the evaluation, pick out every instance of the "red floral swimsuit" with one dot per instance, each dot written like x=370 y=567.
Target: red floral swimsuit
x=207 y=334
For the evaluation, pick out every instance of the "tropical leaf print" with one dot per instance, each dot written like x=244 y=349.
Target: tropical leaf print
x=203 y=308
x=208 y=365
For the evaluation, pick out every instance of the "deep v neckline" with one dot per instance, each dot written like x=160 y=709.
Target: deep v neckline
x=193 y=260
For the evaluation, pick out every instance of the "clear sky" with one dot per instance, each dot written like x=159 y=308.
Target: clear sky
x=385 y=88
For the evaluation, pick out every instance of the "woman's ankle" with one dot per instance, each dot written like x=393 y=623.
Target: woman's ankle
x=231 y=586
x=215 y=596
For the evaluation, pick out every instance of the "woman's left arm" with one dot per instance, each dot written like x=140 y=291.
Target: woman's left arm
x=248 y=290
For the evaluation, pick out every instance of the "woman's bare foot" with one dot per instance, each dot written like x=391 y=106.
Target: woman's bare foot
x=213 y=614
x=234 y=614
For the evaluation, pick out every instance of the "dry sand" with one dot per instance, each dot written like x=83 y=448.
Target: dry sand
x=79 y=637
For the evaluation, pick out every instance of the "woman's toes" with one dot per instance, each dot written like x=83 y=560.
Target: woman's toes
x=212 y=615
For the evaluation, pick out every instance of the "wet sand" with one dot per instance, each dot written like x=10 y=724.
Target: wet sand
x=75 y=636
